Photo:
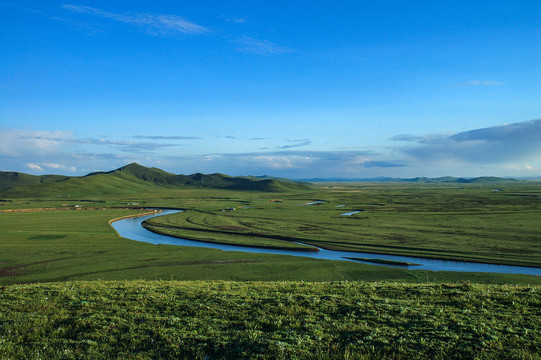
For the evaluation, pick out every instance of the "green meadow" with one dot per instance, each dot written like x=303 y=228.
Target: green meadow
x=75 y=241
x=456 y=222
x=72 y=288
x=61 y=245
x=269 y=320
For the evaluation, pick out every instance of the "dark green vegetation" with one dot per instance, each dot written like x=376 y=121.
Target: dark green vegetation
x=10 y=179
x=383 y=261
x=130 y=179
x=269 y=320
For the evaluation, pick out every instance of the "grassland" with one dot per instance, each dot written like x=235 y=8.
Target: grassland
x=71 y=288
x=439 y=220
x=269 y=320
x=61 y=245
x=442 y=221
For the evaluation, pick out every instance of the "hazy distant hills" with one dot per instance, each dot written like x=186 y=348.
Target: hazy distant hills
x=444 y=179
x=132 y=178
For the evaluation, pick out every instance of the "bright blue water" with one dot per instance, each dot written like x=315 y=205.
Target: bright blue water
x=131 y=229
x=351 y=213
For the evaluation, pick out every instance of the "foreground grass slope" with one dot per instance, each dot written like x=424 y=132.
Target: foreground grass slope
x=278 y=320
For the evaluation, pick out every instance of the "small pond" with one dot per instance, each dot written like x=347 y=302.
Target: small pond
x=351 y=213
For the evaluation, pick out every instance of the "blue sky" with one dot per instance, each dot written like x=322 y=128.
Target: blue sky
x=297 y=89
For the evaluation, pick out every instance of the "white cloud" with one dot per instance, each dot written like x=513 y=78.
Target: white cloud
x=503 y=144
x=289 y=163
x=275 y=162
x=40 y=167
x=59 y=166
x=34 y=167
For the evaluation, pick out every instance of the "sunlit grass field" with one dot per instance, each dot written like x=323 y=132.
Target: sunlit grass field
x=71 y=288
x=269 y=320
x=444 y=221
x=438 y=221
x=61 y=245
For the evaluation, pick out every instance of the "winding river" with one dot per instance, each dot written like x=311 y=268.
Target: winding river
x=131 y=228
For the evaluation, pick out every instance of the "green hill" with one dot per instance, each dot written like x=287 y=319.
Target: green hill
x=9 y=179
x=129 y=179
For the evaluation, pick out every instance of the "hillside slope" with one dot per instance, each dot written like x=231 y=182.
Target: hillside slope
x=129 y=179
x=9 y=179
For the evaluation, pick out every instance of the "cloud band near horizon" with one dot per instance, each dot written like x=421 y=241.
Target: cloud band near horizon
x=505 y=150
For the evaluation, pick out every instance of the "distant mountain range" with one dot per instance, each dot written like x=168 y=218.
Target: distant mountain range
x=132 y=178
x=444 y=179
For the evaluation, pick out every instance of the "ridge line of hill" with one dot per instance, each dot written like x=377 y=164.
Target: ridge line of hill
x=131 y=178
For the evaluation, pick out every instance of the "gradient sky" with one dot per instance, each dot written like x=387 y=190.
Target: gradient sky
x=285 y=88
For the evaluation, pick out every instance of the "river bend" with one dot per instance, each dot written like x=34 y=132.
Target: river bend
x=131 y=228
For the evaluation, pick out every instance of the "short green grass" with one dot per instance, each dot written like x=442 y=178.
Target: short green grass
x=268 y=320
x=438 y=221
x=60 y=245
x=244 y=305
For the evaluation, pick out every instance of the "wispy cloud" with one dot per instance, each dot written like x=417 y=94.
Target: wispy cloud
x=19 y=6
x=235 y=20
x=231 y=137
x=19 y=143
x=160 y=24
x=261 y=47
x=383 y=164
x=422 y=139
x=296 y=143
x=481 y=83
x=130 y=146
x=86 y=27
x=161 y=137
x=292 y=144
x=289 y=163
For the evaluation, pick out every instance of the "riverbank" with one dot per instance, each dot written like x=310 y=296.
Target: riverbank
x=57 y=246
x=132 y=229
x=180 y=233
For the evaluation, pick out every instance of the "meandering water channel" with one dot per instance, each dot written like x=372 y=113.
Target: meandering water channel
x=131 y=228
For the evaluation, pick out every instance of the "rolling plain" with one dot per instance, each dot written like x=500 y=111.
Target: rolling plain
x=85 y=292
